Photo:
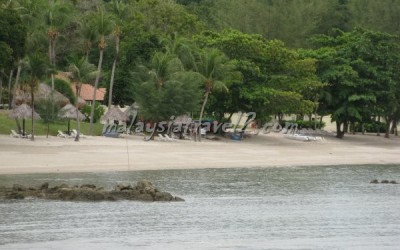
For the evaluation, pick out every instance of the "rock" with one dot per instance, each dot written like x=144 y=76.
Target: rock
x=17 y=187
x=88 y=186
x=178 y=198
x=385 y=182
x=15 y=196
x=393 y=182
x=144 y=191
x=144 y=197
x=63 y=186
x=145 y=185
x=163 y=196
x=374 y=181
x=44 y=186
x=123 y=187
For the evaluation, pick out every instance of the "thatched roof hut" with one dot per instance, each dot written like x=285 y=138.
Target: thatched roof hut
x=114 y=114
x=69 y=112
x=42 y=93
x=23 y=111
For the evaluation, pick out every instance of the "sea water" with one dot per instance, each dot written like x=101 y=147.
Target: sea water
x=261 y=208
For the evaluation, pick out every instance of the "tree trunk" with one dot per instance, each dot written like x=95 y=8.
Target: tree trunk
x=320 y=121
x=388 y=122
x=379 y=126
x=1 y=88
x=96 y=83
x=33 y=112
x=78 y=122
x=198 y=130
x=363 y=128
x=9 y=88
x=16 y=83
x=345 y=127
x=110 y=90
x=339 y=133
x=393 y=128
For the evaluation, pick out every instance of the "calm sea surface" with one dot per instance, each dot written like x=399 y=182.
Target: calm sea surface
x=272 y=208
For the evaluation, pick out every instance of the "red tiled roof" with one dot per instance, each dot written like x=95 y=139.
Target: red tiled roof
x=87 y=92
x=86 y=89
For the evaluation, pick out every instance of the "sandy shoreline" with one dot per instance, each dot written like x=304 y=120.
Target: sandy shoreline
x=91 y=154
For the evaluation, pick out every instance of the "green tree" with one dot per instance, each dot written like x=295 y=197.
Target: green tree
x=103 y=25
x=216 y=71
x=360 y=67
x=164 y=89
x=35 y=70
x=57 y=15
x=82 y=71
x=120 y=12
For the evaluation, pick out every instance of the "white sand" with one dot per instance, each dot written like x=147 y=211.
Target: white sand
x=132 y=153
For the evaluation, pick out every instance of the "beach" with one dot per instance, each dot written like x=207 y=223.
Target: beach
x=130 y=153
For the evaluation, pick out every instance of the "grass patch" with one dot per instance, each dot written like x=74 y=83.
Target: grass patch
x=6 y=124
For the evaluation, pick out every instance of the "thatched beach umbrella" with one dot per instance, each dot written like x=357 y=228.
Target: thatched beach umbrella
x=114 y=114
x=69 y=112
x=23 y=111
x=43 y=92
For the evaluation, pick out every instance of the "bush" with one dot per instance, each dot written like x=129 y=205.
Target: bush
x=98 y=112
x=372 y=127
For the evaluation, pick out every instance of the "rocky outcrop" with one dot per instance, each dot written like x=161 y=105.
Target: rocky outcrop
x=375 y=181
x=143 y=191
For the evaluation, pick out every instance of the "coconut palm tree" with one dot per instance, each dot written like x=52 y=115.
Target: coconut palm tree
x=103 y=25
x=89 y=35
x=216 y=71
x=120 y=13
x=82 y=71
x=57 y=15
x=165 y=89
x=35 y=70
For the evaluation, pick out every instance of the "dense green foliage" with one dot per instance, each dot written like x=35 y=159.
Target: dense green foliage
x=213 y=57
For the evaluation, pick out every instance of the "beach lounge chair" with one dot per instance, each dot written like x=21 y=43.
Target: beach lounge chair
x=169 y=138
x=162 y=137
x=62 y=134
x=113 y=134
x=15 y=134
x=74 y=133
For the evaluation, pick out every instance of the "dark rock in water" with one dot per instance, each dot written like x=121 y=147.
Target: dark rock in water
x=63 y=186
x=15 y=196
x=17 y=187
x=143 y=191
x=178 y=198
x=163 y=196
x=88 y=186
x=393 y=182
x=44 y=186
x=374 y=181
x=385 y=182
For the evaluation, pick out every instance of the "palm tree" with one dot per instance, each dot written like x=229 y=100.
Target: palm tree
x=82 y=71
x=165 y=89
x=103 y=26
x=121 y=12
x=89 y=35
x=35 y=70
x=57 y=14
x=216 y=70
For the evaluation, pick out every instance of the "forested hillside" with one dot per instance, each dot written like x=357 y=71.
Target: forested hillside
x=212 y=57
